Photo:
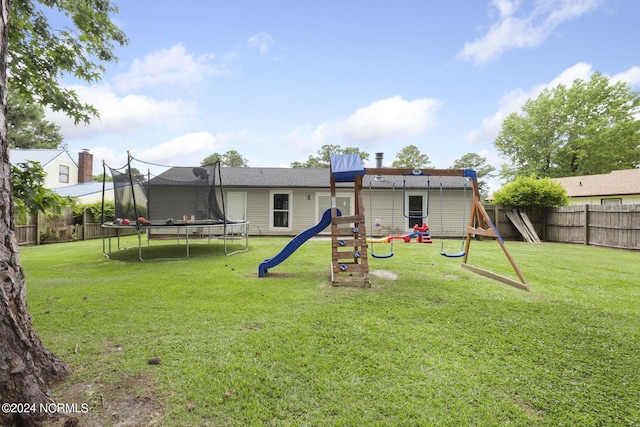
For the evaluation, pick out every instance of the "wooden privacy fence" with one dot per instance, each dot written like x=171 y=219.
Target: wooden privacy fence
x=57 y=229
x=499 y=216
x=611 y=226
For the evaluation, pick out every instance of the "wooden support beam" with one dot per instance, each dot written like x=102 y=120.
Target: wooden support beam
x=407 y=171
x=353 y=219
x=480 y=216
x=495 y=276
x=487 y=232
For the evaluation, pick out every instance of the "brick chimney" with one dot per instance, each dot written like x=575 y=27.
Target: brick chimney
x=85 y=166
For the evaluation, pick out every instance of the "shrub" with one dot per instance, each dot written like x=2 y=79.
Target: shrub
x=95 y=210
x=531 y=192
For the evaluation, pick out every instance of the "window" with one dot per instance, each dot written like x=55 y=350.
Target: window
x=612 y=201
x=281 y=210
x=63 y=174
x=343 y=203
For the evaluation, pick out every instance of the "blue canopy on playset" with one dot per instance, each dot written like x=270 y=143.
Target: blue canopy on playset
x=345 y=167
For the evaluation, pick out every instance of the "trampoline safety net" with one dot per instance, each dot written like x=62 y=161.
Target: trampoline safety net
x=160 y=194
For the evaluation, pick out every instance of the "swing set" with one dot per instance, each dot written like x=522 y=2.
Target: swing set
x=479 y=223
x=417 y=229
x=372 y=240
x=464 y=209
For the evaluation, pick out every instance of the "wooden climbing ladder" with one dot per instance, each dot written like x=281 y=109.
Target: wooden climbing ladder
x=349 y=257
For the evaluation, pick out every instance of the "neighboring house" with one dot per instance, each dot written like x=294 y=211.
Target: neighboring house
x=620 y=187
x=87 y=192
x=60 y=168
x=64 y=175
x=286 y=201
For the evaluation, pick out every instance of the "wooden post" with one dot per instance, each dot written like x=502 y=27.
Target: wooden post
x=84 y=224
x=485 y=227
x=586 y=224
x=38 y=228
x=544 y=224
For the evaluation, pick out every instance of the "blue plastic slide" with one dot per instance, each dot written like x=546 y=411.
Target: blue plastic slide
x=296 y=242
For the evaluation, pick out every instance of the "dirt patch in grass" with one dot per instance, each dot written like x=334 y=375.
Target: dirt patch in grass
x=129 y=403
x=273 y=274
x=384 y=274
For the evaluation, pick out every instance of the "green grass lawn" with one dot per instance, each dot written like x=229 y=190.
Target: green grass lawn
x=438 y=346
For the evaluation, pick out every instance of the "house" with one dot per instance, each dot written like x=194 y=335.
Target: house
x=86 y=192
x=63 y=174
x=60 y=168
x=620 y=187
x=286 y=201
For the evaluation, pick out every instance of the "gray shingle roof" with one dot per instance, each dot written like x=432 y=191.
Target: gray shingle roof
x=83 y=189
x=256 y=177
x=42 y=156
x=618 y=182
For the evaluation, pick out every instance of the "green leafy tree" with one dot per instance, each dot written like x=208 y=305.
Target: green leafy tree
x=479 y=164
x=411 y=157
x=27 y=127
x=138 y=176
x=323 y=157
x=230 y=159
x=29 y=193
x=102 y=177
x=591 y=127
x=531 y=192
x=233 y=159
x=211 y=159
x=37 y=56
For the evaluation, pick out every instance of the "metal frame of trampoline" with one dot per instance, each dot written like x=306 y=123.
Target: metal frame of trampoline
x=229 y=230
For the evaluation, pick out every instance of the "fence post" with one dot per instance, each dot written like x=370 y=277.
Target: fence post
x=84 y=224
x=37 y=227
x=586 y=224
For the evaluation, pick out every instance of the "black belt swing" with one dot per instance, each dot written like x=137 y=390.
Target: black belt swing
x=442 y=251
x=393 y=197
x=404 y=198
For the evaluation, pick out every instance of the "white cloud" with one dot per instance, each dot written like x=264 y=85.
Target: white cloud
x=168 y=68
x=527 y=29
x=188 y=149
x=514 y=100
x=261 y=41
x=631 y=76
x=386 y=119
x=390 y=118
x=305 y=139
x=109 y=156
x=121 y=114
x=506 y=7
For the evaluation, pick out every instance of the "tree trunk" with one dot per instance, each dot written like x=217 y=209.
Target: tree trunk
x=27 y=369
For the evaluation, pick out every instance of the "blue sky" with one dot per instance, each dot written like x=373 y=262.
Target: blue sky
x=277 y=80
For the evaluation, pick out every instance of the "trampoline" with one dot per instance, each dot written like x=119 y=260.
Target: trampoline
x=169 y=202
